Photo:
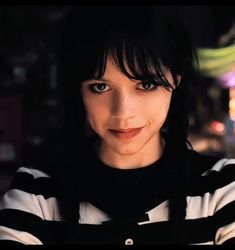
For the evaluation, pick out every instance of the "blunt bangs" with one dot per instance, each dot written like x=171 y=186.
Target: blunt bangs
x=143 y=41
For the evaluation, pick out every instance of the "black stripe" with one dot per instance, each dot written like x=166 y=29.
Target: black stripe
x=225 y=215
x=27 y=183
x=48 y=232
x=155 y=233
x=196 y=231
x=23 y=221
x=204 y=229
x=201 y=162
x=230 y=241
x=213 y=181
x=199 y=230
x=51 y=232
x=10 y=242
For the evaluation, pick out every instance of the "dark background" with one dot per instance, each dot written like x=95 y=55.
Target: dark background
x=28 y=75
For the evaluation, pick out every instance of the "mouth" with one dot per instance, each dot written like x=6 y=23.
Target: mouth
x=125 y=133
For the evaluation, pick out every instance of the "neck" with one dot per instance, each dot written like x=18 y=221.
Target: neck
x=147 y=155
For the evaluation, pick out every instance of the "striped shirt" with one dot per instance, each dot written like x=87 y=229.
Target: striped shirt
x=29 y=211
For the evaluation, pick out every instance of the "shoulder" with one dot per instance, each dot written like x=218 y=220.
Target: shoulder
x=212 y=195
x=210 y=174
x=31 y=191
x=33 y=172
x=26 y=205
x=33 y=181
x=204 y=164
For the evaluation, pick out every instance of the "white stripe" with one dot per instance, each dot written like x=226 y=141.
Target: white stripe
x=157 y=214
x=19 y=236
x=34 y=172
x=204 y=243
x=90 y=214
x=208 y=204
x=47 y=209
x=225 y=233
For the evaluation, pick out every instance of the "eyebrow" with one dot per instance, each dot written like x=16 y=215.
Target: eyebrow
x=97 y=79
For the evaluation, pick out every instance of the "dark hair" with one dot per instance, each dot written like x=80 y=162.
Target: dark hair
x=145 y=38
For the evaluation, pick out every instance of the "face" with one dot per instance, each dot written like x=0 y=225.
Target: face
x=125 y=113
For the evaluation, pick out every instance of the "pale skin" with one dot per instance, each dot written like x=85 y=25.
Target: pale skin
x=120 y=103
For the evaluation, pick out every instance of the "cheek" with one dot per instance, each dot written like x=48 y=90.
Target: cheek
x=90 y=105
x=159 y=107
x=95 y=112
x=166 y=98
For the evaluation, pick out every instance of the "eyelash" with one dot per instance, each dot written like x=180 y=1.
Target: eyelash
x=153 y=84
x=93 y=86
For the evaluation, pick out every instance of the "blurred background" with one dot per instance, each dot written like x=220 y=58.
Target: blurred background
x=28 y=80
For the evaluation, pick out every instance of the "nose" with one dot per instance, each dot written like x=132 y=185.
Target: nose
x=123 y=105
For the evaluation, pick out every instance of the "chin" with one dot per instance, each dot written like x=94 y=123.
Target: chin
x=126 y=150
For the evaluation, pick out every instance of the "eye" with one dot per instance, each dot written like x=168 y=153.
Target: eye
x=147 y=86
x=98 y=87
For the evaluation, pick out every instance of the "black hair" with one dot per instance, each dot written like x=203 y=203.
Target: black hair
x=141 y=39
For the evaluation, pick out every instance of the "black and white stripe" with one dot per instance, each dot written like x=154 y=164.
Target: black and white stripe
x=29 y=212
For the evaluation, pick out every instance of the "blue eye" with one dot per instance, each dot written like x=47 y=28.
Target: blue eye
x=147 y=86
x=98 y=87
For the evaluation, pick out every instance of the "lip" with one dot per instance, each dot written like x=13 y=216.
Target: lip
x=125 y=133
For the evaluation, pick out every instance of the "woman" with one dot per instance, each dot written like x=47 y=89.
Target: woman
x=121 y=171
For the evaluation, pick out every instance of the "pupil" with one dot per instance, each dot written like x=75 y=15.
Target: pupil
x=101 y=86
x=146 y=85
